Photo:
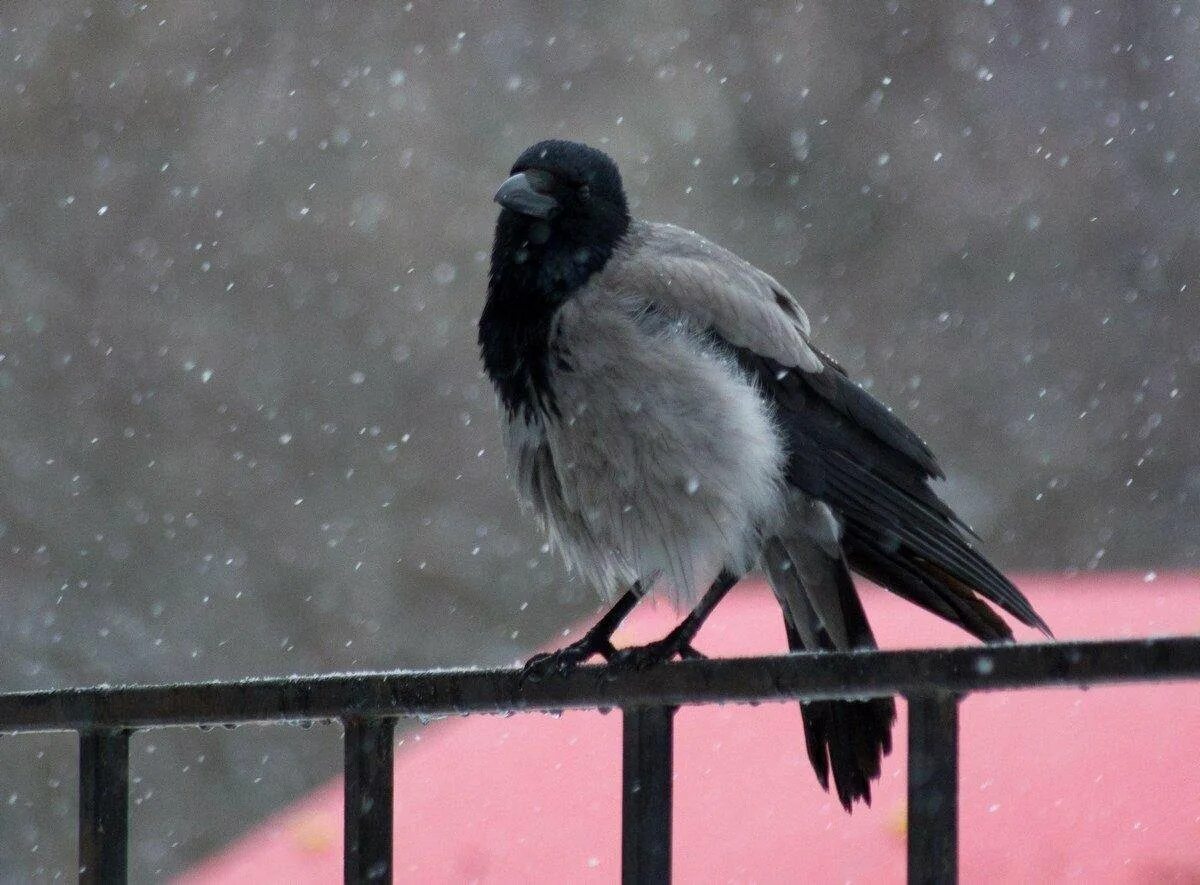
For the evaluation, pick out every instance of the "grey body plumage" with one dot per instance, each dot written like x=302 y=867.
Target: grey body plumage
x=665 y=460
x=670 y=423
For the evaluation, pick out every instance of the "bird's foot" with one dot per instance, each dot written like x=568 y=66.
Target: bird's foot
x=567 y=658
x=643 y=657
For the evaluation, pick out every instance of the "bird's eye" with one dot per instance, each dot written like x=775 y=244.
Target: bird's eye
x=584 y=191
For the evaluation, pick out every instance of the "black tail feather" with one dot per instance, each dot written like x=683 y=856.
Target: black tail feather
x=848 y=739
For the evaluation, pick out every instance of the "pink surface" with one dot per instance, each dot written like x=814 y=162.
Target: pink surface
x=1095 y=786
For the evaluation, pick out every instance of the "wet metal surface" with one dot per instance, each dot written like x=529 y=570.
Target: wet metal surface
x=450 y=692
x=648 y=744
x=103 y=805
x=933 y=788
x=369 y=703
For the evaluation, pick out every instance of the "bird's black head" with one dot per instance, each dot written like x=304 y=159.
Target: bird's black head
x=563 y=214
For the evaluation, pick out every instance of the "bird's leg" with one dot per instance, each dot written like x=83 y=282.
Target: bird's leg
x=597 y=641
x=678 y=641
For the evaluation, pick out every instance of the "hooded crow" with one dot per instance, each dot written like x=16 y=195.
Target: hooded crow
x=671 y=424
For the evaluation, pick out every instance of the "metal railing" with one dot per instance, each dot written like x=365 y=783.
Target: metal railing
x=368 y=705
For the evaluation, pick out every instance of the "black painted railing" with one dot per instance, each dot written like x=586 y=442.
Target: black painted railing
x=369 y=704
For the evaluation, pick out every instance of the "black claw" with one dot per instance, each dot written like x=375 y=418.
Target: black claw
x=539 y=667
x=558 y=663
x=643 y=657
x=566 y=659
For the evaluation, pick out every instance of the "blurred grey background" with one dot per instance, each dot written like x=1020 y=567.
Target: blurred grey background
x=243 y=250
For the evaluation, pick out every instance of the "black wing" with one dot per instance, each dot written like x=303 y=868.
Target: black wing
x=848 y=450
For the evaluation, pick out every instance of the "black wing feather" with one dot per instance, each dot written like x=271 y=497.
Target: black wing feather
x=849 y=450
x=836 y=388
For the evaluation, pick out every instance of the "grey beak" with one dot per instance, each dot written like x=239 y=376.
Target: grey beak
x=519 y=194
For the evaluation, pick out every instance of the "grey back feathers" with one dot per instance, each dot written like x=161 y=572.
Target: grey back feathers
x=712 y=288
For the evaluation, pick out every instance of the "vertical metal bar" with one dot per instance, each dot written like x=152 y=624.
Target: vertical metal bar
x=933 y=789
x=368 y=752
x=103 y=805
x=647 y=758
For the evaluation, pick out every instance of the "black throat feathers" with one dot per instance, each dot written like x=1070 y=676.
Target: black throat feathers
x=536 y=267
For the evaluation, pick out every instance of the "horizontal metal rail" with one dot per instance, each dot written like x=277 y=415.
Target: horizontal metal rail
x=724 y=680
x=368 y=705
